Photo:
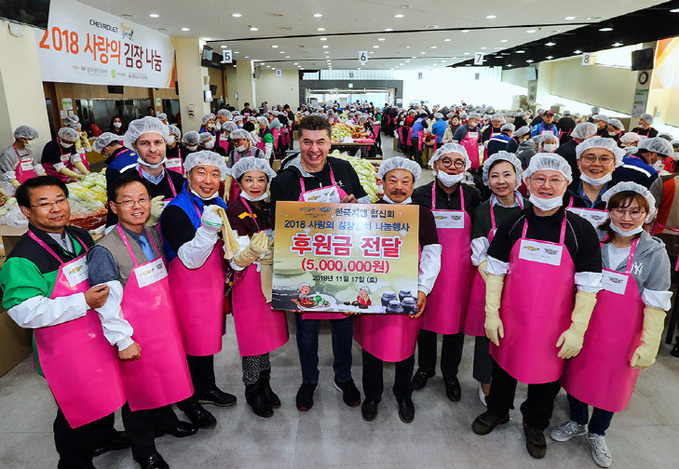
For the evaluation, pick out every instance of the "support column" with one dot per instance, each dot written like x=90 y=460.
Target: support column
x=192 y=80
x=22 y=98
x=245 y=85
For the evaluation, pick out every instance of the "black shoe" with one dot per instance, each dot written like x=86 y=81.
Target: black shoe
x=675 y=350
x=119 y=441
x=406 y=410
x=269 y=395
x=535 y=441
x=305 y=396
x=350 y=393
x=179 y=430
x=369 y=409
x=453 y=390
x=254 y=395
x=487 y=421
x=155 y=461
x=421 y=377
x=217 y=397
x=200 y=417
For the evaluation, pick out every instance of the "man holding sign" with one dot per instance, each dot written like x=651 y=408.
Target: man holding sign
x=314 y=177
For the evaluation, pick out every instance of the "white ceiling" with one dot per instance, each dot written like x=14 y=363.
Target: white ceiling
x=213 y=20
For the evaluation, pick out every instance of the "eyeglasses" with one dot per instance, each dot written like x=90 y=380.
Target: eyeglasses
x=591 y=159
x=457 y=164
x=634 y=213
x=144 y=202
x=48 y=205
x=541 y=181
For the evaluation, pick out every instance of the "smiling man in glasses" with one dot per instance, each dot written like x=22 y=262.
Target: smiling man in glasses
x=535 y=320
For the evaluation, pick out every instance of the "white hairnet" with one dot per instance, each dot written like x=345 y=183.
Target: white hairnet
x=675 y=143
x=225 y=113
x=542 y=138
x=67 y=133
x=498 y=117
x=399 y=162
x=104 y=140
x=521 y=131
x=191 y=138
x=566 y=113
x=464 y=115
x=240 y=133
x=174 y=130
x=474 y=115
x=238 y=119
x=451 y=148
x=24 y=131
x=229 y=127
x=208 y=158
x=70 y=121
x=616 y=123
x=584 y=130
x=667 y=136
x=450 y=115
x=252 y=164
x=206 y=118
x=235 y=113
x=511 y=127
x=139 y=127
x=204 y=137
x=548 y=162
x=438 y=115
x=162 y=116
x=502 y=156
x=600 y=117
x=604 y=143
x=630 y=138
x=629 y=186
x=656 y=145
x=648 y=118
x=263 y=121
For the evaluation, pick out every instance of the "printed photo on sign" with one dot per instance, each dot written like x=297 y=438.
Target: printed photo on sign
x=345 y=258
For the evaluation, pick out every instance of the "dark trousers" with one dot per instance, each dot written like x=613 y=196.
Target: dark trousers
x=307 y=344
x=579 y=411
x=142 y=425
x=451 y=352
x=415 y=150
x=202 y=370
x=373 y=379
x=76 y=445
x=536 y=409
x=483 y=362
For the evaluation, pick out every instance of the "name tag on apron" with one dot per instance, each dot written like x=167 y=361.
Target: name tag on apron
x=324 y=194
x=614 y=282
x=595 y=217
x=76 y=271
x=150 y=273
x=536 y=251
x=65 y=158
x=174 y=163
x=27 y=166
x=448 y=219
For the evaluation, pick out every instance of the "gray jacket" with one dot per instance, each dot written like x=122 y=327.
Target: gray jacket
x=651 y=267
x=525 y=152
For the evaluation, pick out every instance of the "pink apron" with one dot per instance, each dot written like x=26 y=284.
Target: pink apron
x=601 y=374
x=471 y=143
x=389 y=337
x=341 y=193
x=595 y=217
x=24 y=169
x=65 y=160
x=80 y=366
x=199 y=298
x=176 y=164
x=259 y=329
x=83 y=158
x=161 y=376
x=476 y=308
x=448 y=299
x=224 y=142
x=536 y=308
x=276 y=136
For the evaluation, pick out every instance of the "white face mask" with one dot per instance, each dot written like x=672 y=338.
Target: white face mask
x=66 y=145
x=659 y=165
x=27 y=143
x=149 y=165
x=624 y=233
x=117 y=125
x=247 y=196
x=449 y=180
x=550 y=147
x=612 y=134
x=674 y=156
x=472 y=125
x=596 y=182
x=218 y=126
x=170 y=140
x=546 y=204
x=210 y=145
x=241 y=148
x=192 y=147
x=205 y=198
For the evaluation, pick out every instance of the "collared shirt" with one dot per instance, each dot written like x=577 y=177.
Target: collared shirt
x=152 y=179
x=586 y=200
x=63 y=240
x=517 y=197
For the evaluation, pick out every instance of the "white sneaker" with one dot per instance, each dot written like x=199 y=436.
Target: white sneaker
x=482 y=396
x=600 y=451
x=568 y=430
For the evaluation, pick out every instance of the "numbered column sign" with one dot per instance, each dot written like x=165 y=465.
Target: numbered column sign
x=279 y=73
x=478 y=58
x=363 y=56
x=227 y=57
x=586 y=59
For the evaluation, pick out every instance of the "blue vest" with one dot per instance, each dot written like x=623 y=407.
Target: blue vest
x=123 y=159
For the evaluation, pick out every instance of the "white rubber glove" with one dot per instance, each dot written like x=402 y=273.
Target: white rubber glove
x=211 y=221
x=258 y=245
x=157 y=206
x=495 y=330
x=644 y=355
x=573 y=337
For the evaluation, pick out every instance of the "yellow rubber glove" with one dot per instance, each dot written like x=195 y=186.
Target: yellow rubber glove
x=495 y=330
x=482 y=270
x=654 y=322
x=15 y=183
x=572 y=338
x=157 y=206
x=266 y=277
x=227 y=187
x=259 y=243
